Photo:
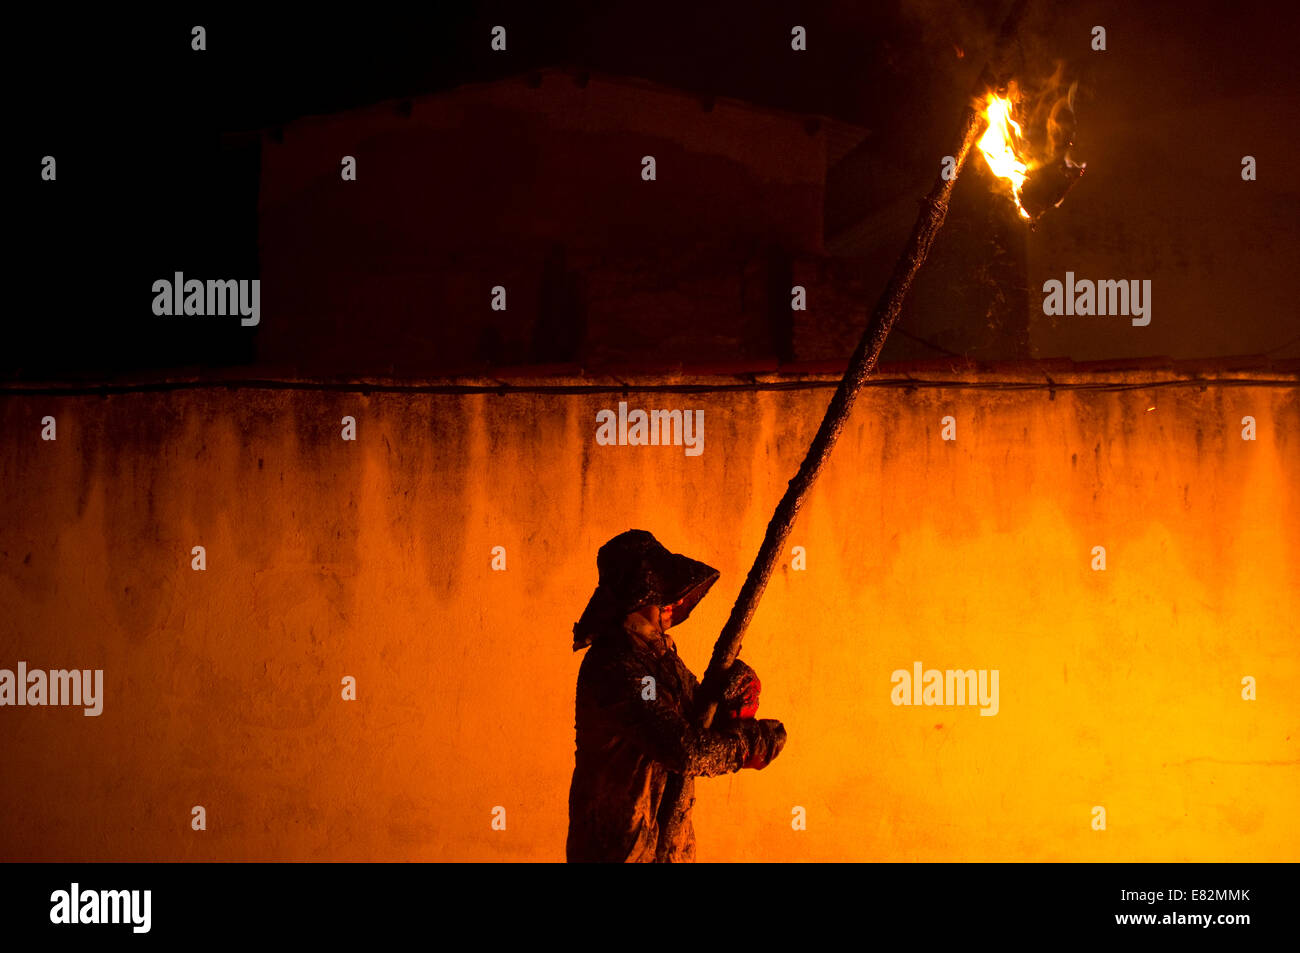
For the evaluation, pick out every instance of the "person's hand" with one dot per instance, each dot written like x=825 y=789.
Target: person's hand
x=740 y=696
x=766 y=739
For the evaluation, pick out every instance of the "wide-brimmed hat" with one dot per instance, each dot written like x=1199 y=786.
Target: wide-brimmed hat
x=635 y=571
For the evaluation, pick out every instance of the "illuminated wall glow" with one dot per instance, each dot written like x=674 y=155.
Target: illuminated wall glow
x=373 y=559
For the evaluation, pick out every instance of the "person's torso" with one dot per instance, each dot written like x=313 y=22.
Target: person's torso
x=617 y=790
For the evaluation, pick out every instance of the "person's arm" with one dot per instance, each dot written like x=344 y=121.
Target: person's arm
x=662 y=729
x=681 y=747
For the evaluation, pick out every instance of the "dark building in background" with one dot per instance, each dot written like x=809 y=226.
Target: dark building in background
x=774 y=168
x=535 y=185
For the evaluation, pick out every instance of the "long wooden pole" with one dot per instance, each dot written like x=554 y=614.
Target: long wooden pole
x=934 y=209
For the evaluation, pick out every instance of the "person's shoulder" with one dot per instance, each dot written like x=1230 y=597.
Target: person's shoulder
x=614 y=651
x=612 y=673
x=610 y=646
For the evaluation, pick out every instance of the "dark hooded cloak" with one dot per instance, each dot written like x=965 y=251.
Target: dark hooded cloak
x=635 y=700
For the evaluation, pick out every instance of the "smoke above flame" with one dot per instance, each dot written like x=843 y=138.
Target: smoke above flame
x=1027 y=143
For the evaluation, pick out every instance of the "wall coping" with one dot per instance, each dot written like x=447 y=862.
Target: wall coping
x=1048 y=375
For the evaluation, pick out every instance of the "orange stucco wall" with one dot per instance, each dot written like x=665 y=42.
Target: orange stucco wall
x=328 y=558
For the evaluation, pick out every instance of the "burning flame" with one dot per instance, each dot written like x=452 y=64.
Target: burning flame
x=1040 y=172
x=1003 y=146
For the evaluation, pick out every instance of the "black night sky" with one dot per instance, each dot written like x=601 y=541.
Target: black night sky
x=156 y=171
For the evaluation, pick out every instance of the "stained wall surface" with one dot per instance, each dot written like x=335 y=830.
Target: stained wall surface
x=1118 y=688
